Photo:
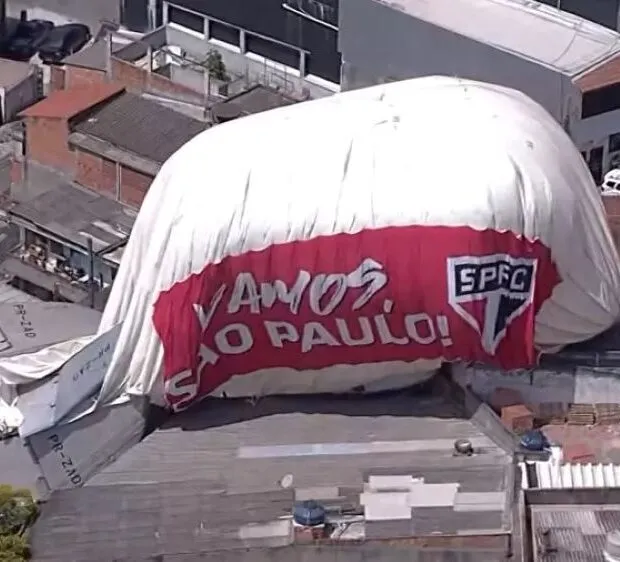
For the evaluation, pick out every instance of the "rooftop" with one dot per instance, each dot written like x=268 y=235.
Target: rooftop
x=256 y=99
x=10 y=295
x=545 y=35
x=66 y=104
x=94 y=56
x=224 y=477
x=73 y=213
x=13 y=72
x=48 y=323
x=141 y=126
x=563 y=533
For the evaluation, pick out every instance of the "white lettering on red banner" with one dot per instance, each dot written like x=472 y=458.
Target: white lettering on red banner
x=322 y=302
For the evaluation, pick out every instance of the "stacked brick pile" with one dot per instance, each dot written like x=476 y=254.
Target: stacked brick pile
x=580 y=414
x=519 y=416
x=607 y=414
x=515 y=414
x=552 y=413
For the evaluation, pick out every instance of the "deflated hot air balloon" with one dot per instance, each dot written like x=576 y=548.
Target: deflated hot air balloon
x=358 y=241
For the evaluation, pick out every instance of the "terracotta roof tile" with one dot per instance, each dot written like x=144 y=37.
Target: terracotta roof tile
x=605 y=74
x=65 y=104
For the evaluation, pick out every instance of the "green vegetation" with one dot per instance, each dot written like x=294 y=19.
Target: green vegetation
x=17 y=512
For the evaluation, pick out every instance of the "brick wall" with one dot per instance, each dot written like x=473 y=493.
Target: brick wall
x=63 y=78
x=101 y=175
x=158 y=84
x=76 y=76
x=109 y=176
x=139 y=80
x=57 y=78
x=17 y=171
x=96 y=173
x=47 y=142
x=130 y=76
x=134 y=186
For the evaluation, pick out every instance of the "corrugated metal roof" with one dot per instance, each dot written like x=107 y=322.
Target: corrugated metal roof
x=572 y=475
x=567 y=533
x=550 y=37
x=65 y=104
x=553 y=474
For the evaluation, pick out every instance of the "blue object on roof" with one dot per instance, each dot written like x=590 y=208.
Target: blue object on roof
x=309 y=513
x=535 y=440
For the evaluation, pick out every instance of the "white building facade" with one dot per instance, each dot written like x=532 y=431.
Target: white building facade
x=562 y=61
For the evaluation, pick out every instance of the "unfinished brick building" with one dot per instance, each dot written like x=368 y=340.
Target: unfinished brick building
x=103 y=138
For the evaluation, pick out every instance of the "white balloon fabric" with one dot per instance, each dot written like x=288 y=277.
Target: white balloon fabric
x=361 y=239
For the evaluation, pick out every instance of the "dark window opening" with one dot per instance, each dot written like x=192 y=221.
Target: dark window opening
x=134 y=15
x=600 y=101
x=614 y=142
x=324 y=66
x=595 y=163
x=56 y=248
x=224 y=33
x=272 y=51
x=186 y=19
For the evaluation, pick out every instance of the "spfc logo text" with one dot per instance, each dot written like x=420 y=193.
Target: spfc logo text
x=490 y=292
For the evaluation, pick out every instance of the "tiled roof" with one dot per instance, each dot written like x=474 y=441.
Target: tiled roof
x=605 y=74
x=66 y=104
x=255 y=100
x=141 y=126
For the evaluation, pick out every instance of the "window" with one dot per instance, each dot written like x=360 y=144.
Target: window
x=272 y=51
x=614 y=142
x=324 y=66
x=224 y=33
x=186 y=19
x=323 y=11
x=595 y=163
x=600 y=101
x=57 y=248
